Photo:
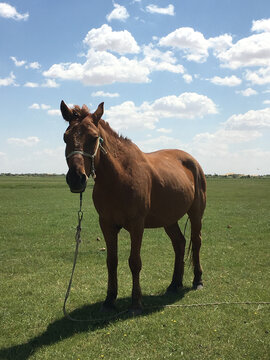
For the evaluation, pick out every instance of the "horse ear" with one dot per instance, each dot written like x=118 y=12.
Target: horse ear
x=66 y=112
x=85 y=108
x=98 y=113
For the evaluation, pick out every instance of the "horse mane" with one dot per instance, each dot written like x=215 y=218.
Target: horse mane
x=106 y=126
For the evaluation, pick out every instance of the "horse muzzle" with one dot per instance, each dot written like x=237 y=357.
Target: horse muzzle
x=76 y=181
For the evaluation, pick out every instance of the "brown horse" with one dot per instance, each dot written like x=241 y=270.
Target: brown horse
x=134 y=190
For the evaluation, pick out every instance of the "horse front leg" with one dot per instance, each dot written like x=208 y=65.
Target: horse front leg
x=135 y=265
x=110 y=232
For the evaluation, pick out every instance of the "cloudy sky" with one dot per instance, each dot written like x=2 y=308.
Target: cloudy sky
x=185 y=74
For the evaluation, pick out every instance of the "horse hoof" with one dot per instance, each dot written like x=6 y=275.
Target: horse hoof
x=198 y=286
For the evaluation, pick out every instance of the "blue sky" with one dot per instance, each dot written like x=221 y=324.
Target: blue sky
x=185 y=74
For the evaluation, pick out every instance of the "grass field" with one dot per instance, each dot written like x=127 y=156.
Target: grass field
x=37 y=228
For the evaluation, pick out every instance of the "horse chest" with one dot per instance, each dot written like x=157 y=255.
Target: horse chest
x=120 y=204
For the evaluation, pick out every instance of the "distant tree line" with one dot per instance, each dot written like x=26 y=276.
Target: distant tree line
x=226 y=176
x=236 y=176
x=31 y=174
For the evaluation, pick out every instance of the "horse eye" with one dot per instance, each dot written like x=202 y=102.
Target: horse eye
x=93 y=139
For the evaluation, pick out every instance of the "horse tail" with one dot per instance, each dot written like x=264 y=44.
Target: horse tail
x=189 y=252
x=199 y=202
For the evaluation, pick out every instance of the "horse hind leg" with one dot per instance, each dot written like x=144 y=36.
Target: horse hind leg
x=179 y=243
x=196 y=240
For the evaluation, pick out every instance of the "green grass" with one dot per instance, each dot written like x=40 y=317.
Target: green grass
x=38 y=222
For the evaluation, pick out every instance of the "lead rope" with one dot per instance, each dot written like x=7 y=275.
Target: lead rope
x=99 y=145
x=78 y=241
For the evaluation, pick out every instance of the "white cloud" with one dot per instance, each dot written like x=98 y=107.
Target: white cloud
x=253 y=119
x=220 y=43
x=157 y=60
x=29 y=141
x=160 y=142
x=8 y=81
x=31 y=84
x=259 y=77
x=104 y=38
x=154 y=9
x=50 y=83
x=192 y=42
x=226 y=81
x=185 y=106
x=104 y=94
x=215 y=152
x=34 y=106
x=129 y=116
x=119 y=13
x=251 y=51
x=188 y=78
x=38 y=160
x=261 y=25
x=54 y=112
x=101 y=68
x=17 y=63
x=10 y=12
x=65 y=71
x=194 y=45
x=33 y=65
x=247 y=92
x=229 y=148
x=266 y=102
x=244 y=161
x=45 y=107
x=223 y=137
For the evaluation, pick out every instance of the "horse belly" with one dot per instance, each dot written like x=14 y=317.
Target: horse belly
x=169 y=205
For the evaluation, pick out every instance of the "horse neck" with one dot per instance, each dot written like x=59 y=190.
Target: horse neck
x=119 y=154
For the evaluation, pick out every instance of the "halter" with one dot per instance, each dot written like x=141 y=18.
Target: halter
x=91 y=156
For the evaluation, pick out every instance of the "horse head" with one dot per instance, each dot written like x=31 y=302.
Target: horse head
x=82 y=140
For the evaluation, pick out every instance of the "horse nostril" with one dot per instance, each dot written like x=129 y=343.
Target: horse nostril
x=76 y=180
x=67 y=178
x=83 y=179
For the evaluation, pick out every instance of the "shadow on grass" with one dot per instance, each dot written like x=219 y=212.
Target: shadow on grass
x=63 y=328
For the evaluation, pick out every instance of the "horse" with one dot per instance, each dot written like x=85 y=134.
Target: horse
x=134 y=190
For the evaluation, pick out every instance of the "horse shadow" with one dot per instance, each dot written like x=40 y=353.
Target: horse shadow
x=63 y=328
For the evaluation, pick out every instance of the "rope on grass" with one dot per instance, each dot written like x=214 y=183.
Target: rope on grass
x=210 y=304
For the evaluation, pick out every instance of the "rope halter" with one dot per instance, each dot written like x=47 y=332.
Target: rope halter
x=91 y=156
